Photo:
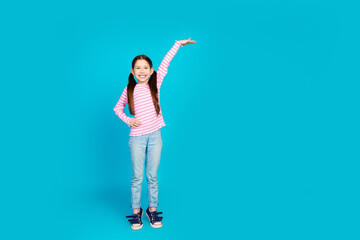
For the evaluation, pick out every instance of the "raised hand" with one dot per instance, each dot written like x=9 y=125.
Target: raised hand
x=185 y=42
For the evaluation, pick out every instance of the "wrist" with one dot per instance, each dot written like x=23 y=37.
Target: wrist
x=178 y=43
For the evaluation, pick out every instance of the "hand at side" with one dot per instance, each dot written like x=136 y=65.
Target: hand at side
x=134 y=122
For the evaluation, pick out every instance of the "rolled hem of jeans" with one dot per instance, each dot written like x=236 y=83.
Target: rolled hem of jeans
x=153 y=204
x=136 y=206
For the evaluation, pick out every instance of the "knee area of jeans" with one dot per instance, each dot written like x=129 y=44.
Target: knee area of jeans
x=137 y=178
x=151 y=178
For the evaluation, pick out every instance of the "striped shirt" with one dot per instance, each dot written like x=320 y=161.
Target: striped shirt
x=143 y=104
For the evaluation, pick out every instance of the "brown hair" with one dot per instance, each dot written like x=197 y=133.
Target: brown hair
x=152 y=84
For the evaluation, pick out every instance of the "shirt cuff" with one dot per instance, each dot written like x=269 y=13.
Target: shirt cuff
x=176 y=42
x=127 y=121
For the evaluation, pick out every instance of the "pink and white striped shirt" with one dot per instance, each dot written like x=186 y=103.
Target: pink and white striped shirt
x=143 y=104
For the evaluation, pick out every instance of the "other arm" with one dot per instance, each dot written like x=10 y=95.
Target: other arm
x=119 y=107
x=163 y=68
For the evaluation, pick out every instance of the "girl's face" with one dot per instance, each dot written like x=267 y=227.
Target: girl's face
x=142 y=71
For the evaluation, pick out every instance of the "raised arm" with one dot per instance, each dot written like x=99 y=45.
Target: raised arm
x=119 y=107
x=163 y=68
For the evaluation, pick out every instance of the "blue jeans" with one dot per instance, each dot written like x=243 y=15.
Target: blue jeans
x=150 y=145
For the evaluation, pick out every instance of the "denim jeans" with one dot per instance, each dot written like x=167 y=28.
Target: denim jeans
x=150 y=145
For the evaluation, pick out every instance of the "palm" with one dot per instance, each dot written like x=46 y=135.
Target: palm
x=188 y=41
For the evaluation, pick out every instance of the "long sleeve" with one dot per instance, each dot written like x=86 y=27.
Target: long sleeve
x=163 y=68
x=119 y=107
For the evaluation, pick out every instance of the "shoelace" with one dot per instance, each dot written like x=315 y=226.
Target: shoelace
x=136 y=218
x=154 y=216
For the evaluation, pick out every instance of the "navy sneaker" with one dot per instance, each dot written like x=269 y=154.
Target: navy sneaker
x=136 y=222
x=155 y=220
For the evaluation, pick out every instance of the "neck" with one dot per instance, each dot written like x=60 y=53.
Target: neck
x=143 y=83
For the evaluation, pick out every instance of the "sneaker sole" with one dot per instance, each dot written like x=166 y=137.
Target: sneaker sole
x=153 y=225
x=137 y=228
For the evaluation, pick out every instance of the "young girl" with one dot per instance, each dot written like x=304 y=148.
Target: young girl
x=143 y=99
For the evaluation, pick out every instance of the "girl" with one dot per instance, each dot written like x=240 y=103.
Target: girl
x=143 y=99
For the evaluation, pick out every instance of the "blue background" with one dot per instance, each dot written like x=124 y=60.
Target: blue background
x=262 y=113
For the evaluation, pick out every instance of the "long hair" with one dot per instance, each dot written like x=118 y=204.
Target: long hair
x=152 y=84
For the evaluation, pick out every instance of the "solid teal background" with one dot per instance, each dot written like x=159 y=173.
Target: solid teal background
x=262 y=113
